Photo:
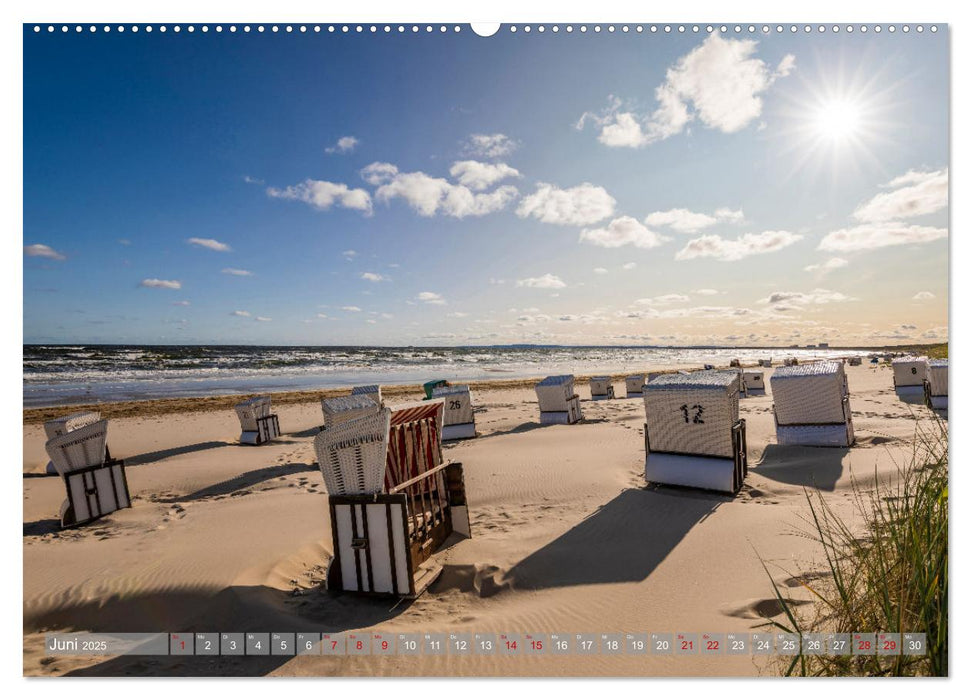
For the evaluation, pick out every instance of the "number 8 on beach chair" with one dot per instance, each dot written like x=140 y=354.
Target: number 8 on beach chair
x=96 y=484
x=909 y=374
x=459 y=418
x=393 y=499
x=558 y=402
x=693 y=435
x=812 y=405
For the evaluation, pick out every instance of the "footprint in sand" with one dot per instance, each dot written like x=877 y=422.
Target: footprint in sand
x=757 y=608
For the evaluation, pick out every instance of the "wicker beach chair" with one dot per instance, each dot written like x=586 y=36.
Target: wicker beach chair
x=812 y=405
x=96 y=485
x=909 y=374
x=339 y=409
x=459 y=416
x=259 y=424
x=935 y=386
x=693 y=435
x=765 y=362
x=371 y=390
x=558 y=402
x=753 y=381
x=430 y=386
x=855 y=361
x=601 y=388
x=635 y=386
x=65 y=424
x=393 y=499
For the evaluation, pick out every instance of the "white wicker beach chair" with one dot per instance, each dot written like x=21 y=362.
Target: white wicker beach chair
x=459 y=416
x=753 y=381
x=353 y=454
x=372 y=390
x=558 y=402
x=65 y=424
x=601 y=388
x=693 y=435
x=909 y=374
x=343 y=408
x=635 y=386
x=765 y=362
x=935 y=386
x=812 y=405
x=258 y=422
x=96 y=485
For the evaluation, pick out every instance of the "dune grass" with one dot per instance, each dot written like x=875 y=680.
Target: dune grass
x=891 y=576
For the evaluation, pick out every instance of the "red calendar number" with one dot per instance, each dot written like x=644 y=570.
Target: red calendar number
x=359 y=645
x=864 y=645
x=889 y=645
x=510 y=645
x=537 y=644
x=712 y=645
x=333 y=644
x=687 y=644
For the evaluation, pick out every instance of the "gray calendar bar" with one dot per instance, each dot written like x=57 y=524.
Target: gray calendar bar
x=105 y=644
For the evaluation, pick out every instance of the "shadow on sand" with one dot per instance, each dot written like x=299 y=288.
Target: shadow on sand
x=147 y=457
x=243 y=481
x=813 y=467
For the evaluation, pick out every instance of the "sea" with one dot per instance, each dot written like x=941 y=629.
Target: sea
x=56 y=375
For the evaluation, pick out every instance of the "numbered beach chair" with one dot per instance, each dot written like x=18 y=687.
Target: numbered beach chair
x=812 y=405
x=65 y=424
x=635 y=386
x=765 y=362
x=371 y=390
x=753 y=381
x=430 y=386
x=558 y=402
x=601 y=388
x=909 y=374
x=790 y=362
x=855 y=361
x=459 y=416
x=338 y=409
x=393 y=500
x=935 y=386
x=96 y=485
x=735 y=363
x=258 y=423
x=693 y=435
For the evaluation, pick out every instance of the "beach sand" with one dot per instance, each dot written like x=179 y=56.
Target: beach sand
x=567 y=538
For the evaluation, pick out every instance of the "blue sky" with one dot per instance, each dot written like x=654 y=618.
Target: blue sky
x=447 y=188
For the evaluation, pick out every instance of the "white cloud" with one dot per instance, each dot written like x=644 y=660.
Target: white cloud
x=629 y=266
x=786 y=300
x=431 y=298
x=912 y=194
x=489 y=145
x=345 y=144
x=547 y=281
x=252 y=180
x=378 y=173
x=458 y=314
x=236 y=272
x=480 y=176
x=923 y=296
x=154 y=283
x=719 y=83
x=323 y=195
x=373 y=277
x=349 y=254
x=600 y=270
x=707 y=292
x=351 y=309
x=881 y=235
x=664 y=299
x=263 y=319
x=714 y=246
x=244 y=314
x=180 y=303
x=429 y=195
x=322 y=316
x=686 y=221
x=622 y=231
x=577 y=206
x=828 y=266
x=211 y=244
x=39 y=250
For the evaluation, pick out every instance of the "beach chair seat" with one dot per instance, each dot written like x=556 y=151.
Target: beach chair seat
x=96 y=485
x=601 y=388
x=558 y=402
x=935 y=385
x=258 y=423
x=459 y=416
x=812 y=405
x=693 y=435
x=398 y=503
x=909 y=374
x=635 y=386
x=371 y=390
x=753 y=381
x=344 y=408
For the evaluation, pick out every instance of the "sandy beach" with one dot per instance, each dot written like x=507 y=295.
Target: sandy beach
x=567 y=538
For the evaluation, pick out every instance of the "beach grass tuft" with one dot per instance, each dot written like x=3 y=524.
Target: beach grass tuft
x=889 y=576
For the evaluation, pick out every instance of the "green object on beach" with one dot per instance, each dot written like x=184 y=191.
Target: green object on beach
x=432 y=385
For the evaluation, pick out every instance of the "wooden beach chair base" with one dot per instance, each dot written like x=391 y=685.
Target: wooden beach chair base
x=724 y=474
x=458 y=432
x=268 y=428
x=93 y=492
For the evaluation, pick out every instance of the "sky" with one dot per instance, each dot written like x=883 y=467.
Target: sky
x=447 y=189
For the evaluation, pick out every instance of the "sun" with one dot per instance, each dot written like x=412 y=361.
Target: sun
x=837 y=119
